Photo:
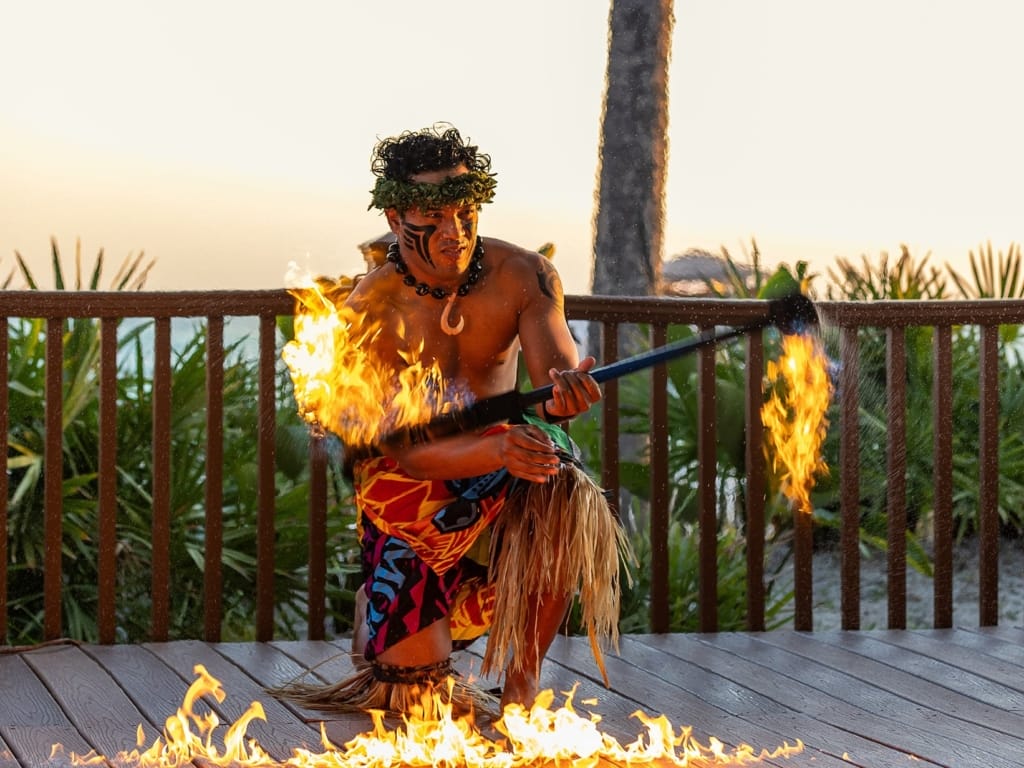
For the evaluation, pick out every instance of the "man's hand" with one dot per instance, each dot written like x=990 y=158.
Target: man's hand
x=528 y=453
x=574 y=391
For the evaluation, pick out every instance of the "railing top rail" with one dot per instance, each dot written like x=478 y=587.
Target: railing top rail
x=614 y=309
x=145 y=303
x=654 y=309
x=938 y=312
x=885 y=314
x=71 y=303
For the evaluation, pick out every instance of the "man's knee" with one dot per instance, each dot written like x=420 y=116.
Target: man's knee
x=431 y=644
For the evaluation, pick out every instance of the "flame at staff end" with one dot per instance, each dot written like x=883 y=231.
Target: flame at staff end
x=339 y=381
x=794 y=416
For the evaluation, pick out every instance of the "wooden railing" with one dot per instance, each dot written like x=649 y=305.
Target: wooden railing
x=611 y=313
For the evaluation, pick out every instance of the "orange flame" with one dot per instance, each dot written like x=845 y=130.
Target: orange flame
x=794 y=416
x=538 y=736
x=342 y=385
x=189 y=735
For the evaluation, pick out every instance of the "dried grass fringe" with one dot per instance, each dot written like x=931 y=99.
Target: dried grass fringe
x=559 y=537
x=362 y=691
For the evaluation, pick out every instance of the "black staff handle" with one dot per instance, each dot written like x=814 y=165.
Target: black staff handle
x=791 y=314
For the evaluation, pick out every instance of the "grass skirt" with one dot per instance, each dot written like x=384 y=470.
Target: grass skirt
x=426 y=691
x=559 y=537
x=555 y=538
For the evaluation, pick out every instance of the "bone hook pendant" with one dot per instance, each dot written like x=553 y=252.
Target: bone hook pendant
x=446 y=326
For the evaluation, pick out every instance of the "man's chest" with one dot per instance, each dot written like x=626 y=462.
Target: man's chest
x=484 y=346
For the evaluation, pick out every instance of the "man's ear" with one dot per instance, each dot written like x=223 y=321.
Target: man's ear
x=394 y=219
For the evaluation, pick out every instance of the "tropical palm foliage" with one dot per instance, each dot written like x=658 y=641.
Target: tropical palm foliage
x=134 y=514
x=992 y=280
x=911 y=278
x=905 y=278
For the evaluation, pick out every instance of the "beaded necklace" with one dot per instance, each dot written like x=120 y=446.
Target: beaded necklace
x=476 y=267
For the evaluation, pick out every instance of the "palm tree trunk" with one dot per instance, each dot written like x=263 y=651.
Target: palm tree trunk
x=634 y=149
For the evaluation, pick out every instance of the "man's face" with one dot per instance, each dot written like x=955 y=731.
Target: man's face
x=440 y=239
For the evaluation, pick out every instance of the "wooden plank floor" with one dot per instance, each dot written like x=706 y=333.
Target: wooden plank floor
x=872 y=698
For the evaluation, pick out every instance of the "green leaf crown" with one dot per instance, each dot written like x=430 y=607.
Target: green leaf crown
x=472 y=187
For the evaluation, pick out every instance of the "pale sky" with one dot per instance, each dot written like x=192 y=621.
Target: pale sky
x=227 y=139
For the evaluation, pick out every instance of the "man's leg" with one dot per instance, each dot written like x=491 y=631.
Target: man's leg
x=522 y=676
x=429 y=645
x=360 y=632
x=543 y=556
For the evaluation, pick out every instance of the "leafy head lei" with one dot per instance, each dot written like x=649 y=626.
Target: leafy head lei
x=474 y=187
x=397 y=160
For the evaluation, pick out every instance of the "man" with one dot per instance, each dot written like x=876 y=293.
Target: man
x=470 y=305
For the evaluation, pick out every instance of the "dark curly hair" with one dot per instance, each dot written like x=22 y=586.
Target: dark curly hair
x=435 y=148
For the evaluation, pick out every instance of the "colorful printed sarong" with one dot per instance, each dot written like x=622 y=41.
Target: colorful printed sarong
x=421 y=551
x=424 y=549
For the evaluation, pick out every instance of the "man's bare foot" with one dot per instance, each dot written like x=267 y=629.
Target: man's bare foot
x=519 y=689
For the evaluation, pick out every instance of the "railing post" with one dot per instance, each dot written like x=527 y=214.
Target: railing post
x=659 y=525
x=988 y=478
x=756 y=491
x=265 y=529
x=849 y=461
x=707 y=474
x=213 y=579
x=162 y=380
x=942 y=474
x=610 y=480
x=106 y=618
x=317 y=584
x=896 y=460
x=53 y=479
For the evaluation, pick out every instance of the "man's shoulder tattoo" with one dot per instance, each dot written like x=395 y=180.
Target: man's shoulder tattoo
x=549 y=281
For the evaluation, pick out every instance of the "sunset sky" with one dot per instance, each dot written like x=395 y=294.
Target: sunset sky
x=227 y=139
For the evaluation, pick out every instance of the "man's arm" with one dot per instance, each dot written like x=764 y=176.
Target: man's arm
x=525 y=450
x=549 y=350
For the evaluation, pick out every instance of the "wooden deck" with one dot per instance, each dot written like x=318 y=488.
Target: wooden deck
x=866 y=698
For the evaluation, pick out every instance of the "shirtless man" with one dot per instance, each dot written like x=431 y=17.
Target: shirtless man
x=469 y=304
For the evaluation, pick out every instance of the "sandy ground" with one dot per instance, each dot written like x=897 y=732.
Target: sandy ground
x=873 y=604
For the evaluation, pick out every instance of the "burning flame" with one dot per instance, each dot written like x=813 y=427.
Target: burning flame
x=341 y=383
x=189 y=735
x=534 y=737
x=794 y=415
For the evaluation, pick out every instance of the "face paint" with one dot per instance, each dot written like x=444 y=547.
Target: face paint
x=418 y=239
x=468 y=217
